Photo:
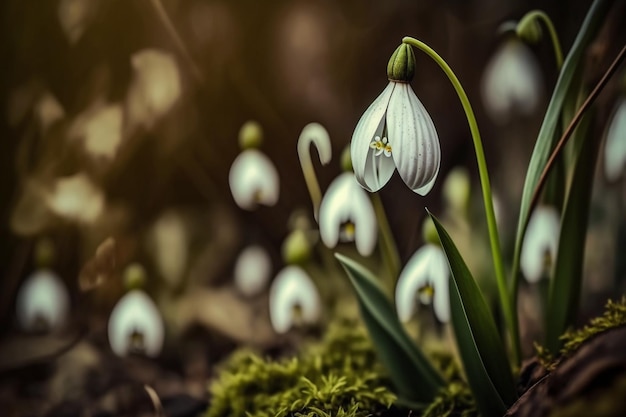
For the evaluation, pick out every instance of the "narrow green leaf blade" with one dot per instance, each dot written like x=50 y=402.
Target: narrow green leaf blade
x=480 y=346
x=566 y=283
x=414 y=377
x=547 y=139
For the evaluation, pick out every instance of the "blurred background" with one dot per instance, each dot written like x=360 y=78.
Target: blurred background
x=120 y=120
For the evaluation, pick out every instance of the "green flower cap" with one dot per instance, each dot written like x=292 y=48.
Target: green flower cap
x=529 y=30
x=429 y=232
x=44 y=253
x=346 y=160
x=250 y=135
x=134 y=276
x=401 y=66
x=296 y=249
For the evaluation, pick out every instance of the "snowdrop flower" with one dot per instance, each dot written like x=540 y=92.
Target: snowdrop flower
x=541 y=242
x=615 y=146
x=396 y=131
x=294 y=300
x=252 y=270
x=253 y=178
x=42 y=302
x=136 y=326
x=347 y=215
x=512 y=81
x=426 y=277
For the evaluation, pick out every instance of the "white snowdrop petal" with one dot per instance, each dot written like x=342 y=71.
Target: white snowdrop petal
x=293 y=287
x=155 y=88
x=413 y=137
x=48 y=110
x=254 y=180
x=42 y=296
x=428 y=266
x=252 y=270
x=346 y=201
x=542 y=235
x=77 y=198
x=136 y=313
x=378 y=171
x=370 y=124
x=512 y=81
x=615 y=146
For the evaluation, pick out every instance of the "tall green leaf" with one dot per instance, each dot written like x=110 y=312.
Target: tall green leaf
x=547 y=139
x=566 y=283
x=480 y=346
x=412 y=374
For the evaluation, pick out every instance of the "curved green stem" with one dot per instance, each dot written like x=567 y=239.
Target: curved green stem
x=510 y=314
x=313 y=133
x=388 y=246
x=542 y=16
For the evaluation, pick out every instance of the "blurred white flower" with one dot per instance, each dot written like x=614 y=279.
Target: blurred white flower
x=347 y=215
x=294 y=300
x=253 y=180
x=42 y=302
x=76 y=198
x=512 y=82
x=541 y=243
x=136 y=326
x=100 y=129
x=75 y=16
x=615 y=146
x=396 y=131
x=252 y=270
x=155 y=88
x=48 y=110
x=426 y=277
x=170 y=247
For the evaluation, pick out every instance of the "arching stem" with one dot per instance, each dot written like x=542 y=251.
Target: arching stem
x=316 y=134
x=510 y=314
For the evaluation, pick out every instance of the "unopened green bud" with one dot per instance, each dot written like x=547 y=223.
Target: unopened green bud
x=346 y=160
x=429 y=231
x=529 y=29
x=134 y=276
x=296 y=248
x=250 y=135
x=44 y=253
x=401 y=66
x=456 y=190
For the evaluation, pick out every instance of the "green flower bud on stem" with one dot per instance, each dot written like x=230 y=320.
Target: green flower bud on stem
x=529 y=29
x=250 y=135
x=44 y=253
x=429 y=232
x=134 y=276
x=346 y=160
x=296 y=248
x=401 y=66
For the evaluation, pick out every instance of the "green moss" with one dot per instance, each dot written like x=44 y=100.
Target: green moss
x=339 y=376
x=614 y=316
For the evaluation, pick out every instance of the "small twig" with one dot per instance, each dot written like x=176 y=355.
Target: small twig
x=156 y=402
x=572 y=126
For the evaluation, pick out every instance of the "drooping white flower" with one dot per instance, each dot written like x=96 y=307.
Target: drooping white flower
x=615 y=145
x=347 y=215
x=426 y=277
x=136 y=326
x=541 y=243
x=512 y=82
x=42 y=302
x=76 y=198
x=252 y=270
x=396 y=132
x=253 y=180
x=294 y=300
